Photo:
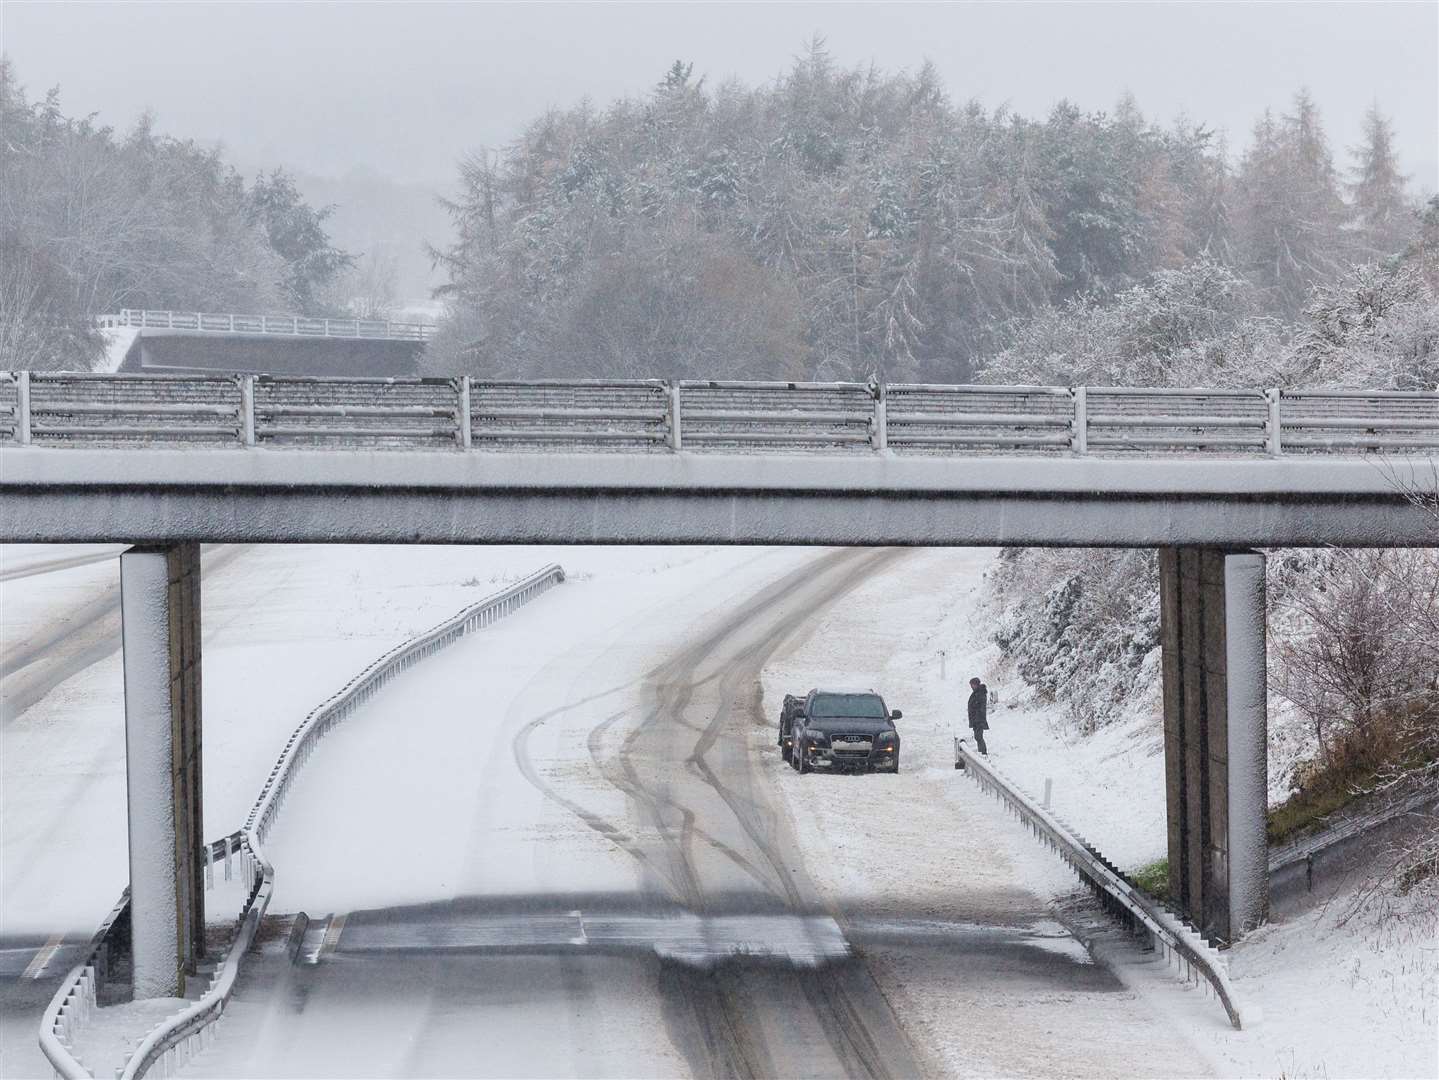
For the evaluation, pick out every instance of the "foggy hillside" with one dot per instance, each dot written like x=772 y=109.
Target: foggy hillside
x=380 y=219
x=846 y=222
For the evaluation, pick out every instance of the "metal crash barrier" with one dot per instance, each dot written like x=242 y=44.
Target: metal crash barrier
x=1180 y=943
x=242 y=853
x=464 y=413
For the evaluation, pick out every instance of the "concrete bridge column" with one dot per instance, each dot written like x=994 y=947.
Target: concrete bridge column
x=1215 y=735
x=160 y=612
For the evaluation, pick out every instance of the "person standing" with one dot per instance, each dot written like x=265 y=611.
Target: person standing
x=979 y=713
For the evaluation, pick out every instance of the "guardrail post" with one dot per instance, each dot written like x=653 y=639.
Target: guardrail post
x=676 y=440
x=22 y=409
x=1079 y=431
x=462 y=416
x=247 y=410
x=1271 y=423
x=879 y=435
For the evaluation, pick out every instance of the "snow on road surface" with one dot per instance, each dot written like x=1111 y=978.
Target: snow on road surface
x=608 y=754
x=539 y=766
x=284 y=626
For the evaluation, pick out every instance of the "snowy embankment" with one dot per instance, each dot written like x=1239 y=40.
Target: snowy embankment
x=118 y=340
x=1339 y=1000
x=1379 y=979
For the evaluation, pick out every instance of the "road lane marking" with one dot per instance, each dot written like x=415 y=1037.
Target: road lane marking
x=332 y=936
x=37 y=966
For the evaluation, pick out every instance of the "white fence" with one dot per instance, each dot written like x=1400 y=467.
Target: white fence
x=1196 y=959
x=652 y=416
x=288 y=325
x=181 y=1034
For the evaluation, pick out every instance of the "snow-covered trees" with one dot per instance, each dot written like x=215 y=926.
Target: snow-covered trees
x=1362 y=660
x=91 y=222
x=1382 y=214
x=1354 y=635
x=913 y=235
x=1288 y=206
x=296 y=232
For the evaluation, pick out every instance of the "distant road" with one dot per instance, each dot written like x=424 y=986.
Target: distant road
x=75 y=640
x=29 y=567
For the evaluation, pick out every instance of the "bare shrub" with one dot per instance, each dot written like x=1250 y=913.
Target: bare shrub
x=1365 y=672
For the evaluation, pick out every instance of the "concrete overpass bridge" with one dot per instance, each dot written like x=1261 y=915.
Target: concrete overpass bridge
x=198 y=341
x=1205 y=476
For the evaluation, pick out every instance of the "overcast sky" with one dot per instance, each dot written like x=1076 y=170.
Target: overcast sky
x=406 y=89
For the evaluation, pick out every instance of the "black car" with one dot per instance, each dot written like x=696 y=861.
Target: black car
x=843 y=732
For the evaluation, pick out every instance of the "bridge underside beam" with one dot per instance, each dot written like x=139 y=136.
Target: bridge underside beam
x=160 y=613
x=1215 y=735
x=430 y=516
x=291 y=495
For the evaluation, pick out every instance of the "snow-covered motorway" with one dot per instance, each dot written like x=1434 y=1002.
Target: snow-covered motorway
x=566 y=845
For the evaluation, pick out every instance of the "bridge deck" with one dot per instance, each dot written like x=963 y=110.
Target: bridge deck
x=262 y=458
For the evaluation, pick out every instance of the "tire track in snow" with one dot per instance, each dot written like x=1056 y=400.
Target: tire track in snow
x=846 y=1004
x=726 y=1010
x=626 y=782
x=621 y=838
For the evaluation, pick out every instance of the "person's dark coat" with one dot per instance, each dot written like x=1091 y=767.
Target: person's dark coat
x=979 y=708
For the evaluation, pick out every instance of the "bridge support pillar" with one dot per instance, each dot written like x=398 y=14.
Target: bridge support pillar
x=160 y=614
x=1215 y=735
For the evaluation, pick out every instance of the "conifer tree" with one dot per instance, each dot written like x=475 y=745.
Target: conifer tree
x=1290 y=209
x=1381 y=211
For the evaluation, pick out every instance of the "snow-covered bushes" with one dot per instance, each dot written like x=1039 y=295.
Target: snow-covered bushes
x=1195 y=326
x=1084 y=632
x=1377 y=329
x=1353 y=658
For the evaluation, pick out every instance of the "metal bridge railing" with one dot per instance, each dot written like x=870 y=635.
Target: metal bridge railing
x=290 y=325
x=1177 y=941
x=181 y=1034
x=654 y=416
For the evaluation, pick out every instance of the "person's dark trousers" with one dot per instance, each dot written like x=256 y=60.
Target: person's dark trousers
x=979 y=740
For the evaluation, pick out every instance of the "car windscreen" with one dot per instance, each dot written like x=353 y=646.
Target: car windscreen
x=847 y=706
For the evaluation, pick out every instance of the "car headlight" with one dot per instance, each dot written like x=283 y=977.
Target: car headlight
x=886 y=738
x=818 y=738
